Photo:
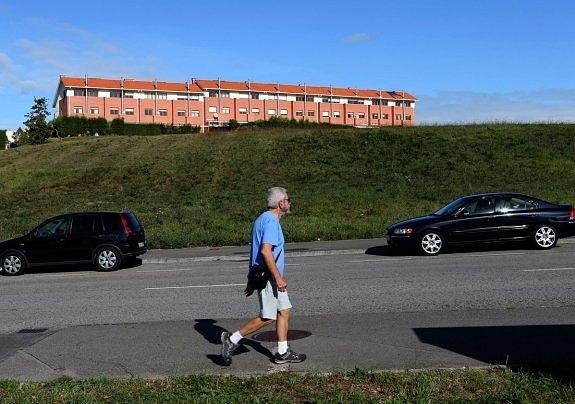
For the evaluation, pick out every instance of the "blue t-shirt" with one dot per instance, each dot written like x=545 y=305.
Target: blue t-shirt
x=267 y=230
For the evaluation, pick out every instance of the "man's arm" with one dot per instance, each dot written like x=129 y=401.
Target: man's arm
x=268 y=256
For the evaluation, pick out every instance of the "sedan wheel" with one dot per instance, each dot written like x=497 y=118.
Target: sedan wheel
x=545 y=237
x=431 y=243
x=107 y=259
x=13 y=264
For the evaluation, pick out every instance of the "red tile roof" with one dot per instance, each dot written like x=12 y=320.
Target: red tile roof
x=201 y=85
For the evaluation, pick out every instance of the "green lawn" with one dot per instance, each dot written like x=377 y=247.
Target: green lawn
x=192 y=190
x=482 y=386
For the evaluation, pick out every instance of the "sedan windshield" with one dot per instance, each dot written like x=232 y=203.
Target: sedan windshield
x=451 y=207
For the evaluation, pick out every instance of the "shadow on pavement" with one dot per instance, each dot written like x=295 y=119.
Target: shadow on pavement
x=478 y=247
x=212 y=333
x=539 y=348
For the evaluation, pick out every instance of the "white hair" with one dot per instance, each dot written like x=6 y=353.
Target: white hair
x=275 y=195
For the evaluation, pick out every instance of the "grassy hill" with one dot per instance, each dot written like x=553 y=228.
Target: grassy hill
x=199 y=189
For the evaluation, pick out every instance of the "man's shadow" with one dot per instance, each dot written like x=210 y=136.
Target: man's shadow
x=212 y=333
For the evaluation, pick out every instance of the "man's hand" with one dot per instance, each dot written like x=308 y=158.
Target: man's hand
x=281 y=284
x=248 y=290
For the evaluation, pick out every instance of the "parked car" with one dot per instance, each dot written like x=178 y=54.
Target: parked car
x=481 y=218
x=104 y=239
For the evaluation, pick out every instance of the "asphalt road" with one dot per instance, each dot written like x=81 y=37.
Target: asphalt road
x=355 y=305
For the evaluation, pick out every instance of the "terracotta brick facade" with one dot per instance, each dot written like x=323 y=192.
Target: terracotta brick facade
x=209 y=103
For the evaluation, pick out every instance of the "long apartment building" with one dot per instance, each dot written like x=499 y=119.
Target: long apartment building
x=212 y=103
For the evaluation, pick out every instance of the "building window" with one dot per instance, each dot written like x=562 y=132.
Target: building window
x=408 y=117
x=94 y=110
x=255 y=111
x=271 y=111
x=309 y=98
x=384 y=116
x=324 y=99
x=310 y=113
x=162 y=96
x=163 y=112
x=78 y=110
x=181 y=112
x=92 y=93
x=212 y=109
x=336 y=114
x=128 y=95
x=243 y=111
x=114 y=111
x=148 y=111
x=129 y=111
x=398 y=117
x=300 y=97
x=361 y=115
x=283 y=112
x=115 y=94
x=255 y=96
x=225 y=110
x=350 y=114
x=299 y=113
x=194 y=114
x=325 y=114
x=79 y=92
x=224 y=94
x=374 y=116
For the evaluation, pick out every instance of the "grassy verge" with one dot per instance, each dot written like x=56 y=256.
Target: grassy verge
x=194 y=190
x=489 y=386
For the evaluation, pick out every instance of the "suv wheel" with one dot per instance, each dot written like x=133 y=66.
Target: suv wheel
x=431 y=243
x=13 y=263
x=545 y=236
x=107 y=258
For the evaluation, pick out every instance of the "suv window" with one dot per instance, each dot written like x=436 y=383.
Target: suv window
x=84 y=225
x=133 y=221
x=112 y=223
x=55 y=227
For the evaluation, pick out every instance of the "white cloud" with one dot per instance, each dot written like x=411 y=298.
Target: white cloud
x=549 y=105
x=357 y=37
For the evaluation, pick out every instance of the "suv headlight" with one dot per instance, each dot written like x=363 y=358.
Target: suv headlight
x=403 y=231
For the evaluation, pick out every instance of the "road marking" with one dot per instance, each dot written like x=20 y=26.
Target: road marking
x=547 y=269
x=494 y=254
x=198 y=286
x=169 y=270
x=381 y=260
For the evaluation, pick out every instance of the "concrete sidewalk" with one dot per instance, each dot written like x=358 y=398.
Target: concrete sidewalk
x=242 y=253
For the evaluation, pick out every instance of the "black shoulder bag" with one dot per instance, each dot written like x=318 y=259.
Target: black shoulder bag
x=258 y=277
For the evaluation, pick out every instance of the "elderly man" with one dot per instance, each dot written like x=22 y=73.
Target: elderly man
x=267 y=249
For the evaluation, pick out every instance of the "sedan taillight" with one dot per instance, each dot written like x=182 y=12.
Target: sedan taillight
x=572 y=214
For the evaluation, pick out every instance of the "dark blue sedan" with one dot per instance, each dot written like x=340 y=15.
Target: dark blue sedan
x=486 y=218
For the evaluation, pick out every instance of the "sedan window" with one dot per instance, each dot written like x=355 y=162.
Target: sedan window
x=513 y=203
x=479 y=206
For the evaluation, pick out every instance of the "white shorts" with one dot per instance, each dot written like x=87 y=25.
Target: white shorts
x=272 y=301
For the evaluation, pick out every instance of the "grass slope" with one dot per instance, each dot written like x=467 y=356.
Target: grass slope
x=191 y=190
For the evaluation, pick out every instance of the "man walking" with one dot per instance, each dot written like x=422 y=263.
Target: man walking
x=267 y=249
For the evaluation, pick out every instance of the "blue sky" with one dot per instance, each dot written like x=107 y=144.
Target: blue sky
x=465 y=60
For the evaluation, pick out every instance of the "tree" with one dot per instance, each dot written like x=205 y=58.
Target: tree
x=3 y=139
x=38 y=129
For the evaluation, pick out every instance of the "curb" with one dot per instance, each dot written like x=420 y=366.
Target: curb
x=243 y=258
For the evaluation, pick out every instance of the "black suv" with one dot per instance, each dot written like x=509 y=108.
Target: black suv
x=104 y=239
